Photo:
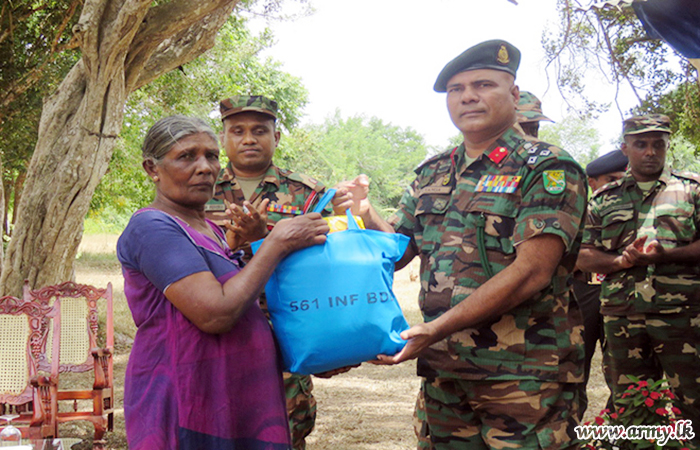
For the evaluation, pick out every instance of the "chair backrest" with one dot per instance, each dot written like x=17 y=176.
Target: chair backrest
x=80 y=325
x=23 y=344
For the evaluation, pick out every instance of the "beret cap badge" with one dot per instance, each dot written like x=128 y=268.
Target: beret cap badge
x=503 y=57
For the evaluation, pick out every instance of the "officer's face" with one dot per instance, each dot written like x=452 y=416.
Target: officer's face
x=646 y=153
x=187 y=173
x=250 y=140
x=482 y=102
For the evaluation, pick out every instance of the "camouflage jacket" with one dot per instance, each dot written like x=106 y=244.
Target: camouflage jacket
x=287 y=191
x=620 y=212
x=515 y=190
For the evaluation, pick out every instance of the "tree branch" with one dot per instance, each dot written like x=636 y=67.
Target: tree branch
x=168 y=37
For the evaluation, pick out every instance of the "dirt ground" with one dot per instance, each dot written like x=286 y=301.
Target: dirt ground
x=370 y=407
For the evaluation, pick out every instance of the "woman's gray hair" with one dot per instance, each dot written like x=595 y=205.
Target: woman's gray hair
x=168 y=131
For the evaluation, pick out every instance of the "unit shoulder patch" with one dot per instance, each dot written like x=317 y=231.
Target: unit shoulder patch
x=554 y=181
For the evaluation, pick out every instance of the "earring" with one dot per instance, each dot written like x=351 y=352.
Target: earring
x=155 y=178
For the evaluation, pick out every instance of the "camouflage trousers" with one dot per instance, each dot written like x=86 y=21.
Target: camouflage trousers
x=301 y=407
x=651 y=345
x=489 y=415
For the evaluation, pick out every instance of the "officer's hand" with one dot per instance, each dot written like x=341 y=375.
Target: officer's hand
x=248 y=224
x=352 y=194
x=419 y=338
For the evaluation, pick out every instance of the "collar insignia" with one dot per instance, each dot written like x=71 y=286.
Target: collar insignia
x=498 y=154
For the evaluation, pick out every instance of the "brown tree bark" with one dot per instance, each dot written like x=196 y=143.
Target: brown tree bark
x=125 y=44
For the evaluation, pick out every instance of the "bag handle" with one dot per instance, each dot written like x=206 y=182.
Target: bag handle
x=327 y=197
x=352 y=223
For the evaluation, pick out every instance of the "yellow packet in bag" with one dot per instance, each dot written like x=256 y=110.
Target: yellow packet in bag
x=340 y=223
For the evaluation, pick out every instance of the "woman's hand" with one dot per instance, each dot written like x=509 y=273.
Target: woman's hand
x=248 y=224
x=300 y=232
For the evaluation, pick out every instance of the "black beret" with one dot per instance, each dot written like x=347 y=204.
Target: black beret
x=615 y=161
x=496 y=54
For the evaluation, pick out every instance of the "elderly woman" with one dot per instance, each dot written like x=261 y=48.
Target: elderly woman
x=203 y=371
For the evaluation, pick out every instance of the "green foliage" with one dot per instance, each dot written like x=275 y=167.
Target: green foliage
x=340 y=149
x=35 y=55
x=232 y=67
x=576 y=135
x=594 y=46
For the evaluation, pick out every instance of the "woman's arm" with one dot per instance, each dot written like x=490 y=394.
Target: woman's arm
x=216 y=308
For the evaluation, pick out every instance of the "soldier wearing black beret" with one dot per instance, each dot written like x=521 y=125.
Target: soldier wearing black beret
x=601 y=171
x=496 y=223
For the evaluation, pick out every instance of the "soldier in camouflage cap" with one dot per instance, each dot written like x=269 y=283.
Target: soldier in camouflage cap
x=242 y=103
x=529 y=113
x=643 y=233
x=259 y=194
x=646 y=124
x=496 y=223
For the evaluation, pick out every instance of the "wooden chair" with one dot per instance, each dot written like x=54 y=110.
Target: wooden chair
x=85 y=345
x=23 y=389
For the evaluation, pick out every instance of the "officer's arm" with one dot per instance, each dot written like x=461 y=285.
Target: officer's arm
x=537 y=259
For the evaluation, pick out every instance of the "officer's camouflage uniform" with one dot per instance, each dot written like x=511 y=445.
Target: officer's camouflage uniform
x=284 y=189
x=455 y=225
x=651 y=313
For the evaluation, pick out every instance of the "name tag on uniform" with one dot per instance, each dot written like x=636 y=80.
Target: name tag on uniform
x=214 y=207
x=502 y=184
x=284 y=209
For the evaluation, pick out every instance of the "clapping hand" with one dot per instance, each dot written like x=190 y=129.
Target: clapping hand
x=248 y=224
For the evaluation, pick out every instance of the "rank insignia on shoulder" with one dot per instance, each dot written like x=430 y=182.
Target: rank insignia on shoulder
x=554 y=181
x=284 y=209
x=497 y=154
x=532 y=160
x=502 y=184
x=531 y=150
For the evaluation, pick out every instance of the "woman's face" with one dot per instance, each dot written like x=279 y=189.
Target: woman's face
x=187 y=174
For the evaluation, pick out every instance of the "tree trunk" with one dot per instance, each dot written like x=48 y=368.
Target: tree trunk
x=125 y=44
x=16 y=191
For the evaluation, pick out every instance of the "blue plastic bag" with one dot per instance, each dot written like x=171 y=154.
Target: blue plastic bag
x=332 y=305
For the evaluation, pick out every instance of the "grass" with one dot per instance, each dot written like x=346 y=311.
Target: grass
x=370 y=407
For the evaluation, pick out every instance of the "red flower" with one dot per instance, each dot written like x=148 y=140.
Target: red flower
x=630 y=387
x=625 y=395
x=660 y=411
x=645 y=393
x=649 y=402
x=613 y=416
x=599 y=421
x=642 y=384
x=655 y=395
x=670 y=395
x=621 y=410
x=675 y=410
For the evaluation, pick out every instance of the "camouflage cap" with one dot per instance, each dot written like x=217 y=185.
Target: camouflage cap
x=496 y=54
x=614 y=161
x=646 y=124
x=529 y=108
x=244 y=103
